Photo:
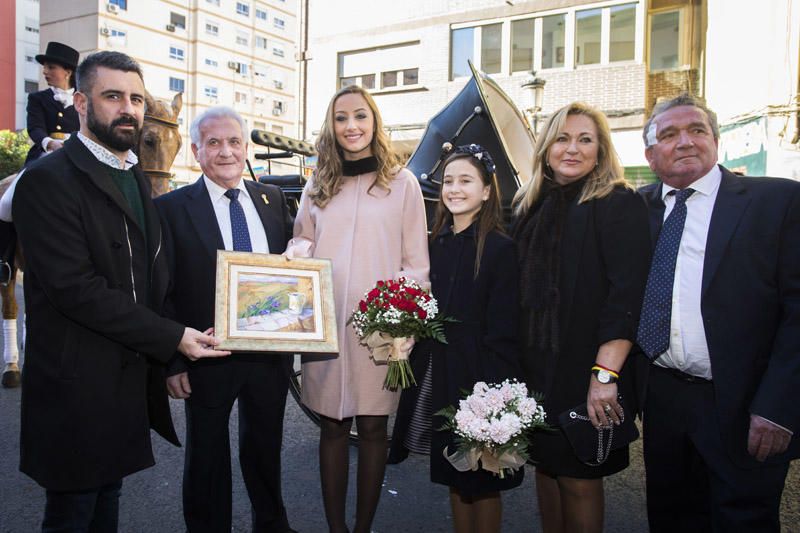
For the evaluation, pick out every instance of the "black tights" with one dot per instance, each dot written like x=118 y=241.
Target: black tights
x=334 y=464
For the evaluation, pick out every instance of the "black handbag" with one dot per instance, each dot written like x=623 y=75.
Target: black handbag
x=593 y=445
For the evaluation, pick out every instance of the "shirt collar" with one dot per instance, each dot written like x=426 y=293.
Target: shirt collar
x=707 y=185
x=105 y=156
x=216 y=192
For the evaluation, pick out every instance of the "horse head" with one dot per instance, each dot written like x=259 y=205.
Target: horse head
x=160 y=141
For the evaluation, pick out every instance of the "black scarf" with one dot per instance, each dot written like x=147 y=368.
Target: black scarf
x=538 y=236
x=359 y=166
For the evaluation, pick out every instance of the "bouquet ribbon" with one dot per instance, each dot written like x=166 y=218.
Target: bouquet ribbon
x=384 y=347
x=463 y=460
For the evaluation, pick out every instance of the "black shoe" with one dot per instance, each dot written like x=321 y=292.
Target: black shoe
x=11 y=379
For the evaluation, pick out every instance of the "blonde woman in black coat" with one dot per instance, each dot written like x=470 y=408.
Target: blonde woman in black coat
x=582 y=236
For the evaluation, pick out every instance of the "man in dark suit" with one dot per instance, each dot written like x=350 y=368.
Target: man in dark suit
x=221 y=211
x=720 y=329
x=95 y=280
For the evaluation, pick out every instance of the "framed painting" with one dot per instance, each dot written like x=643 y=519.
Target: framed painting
x=268 y=303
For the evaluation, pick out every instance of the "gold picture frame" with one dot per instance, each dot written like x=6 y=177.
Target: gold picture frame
x=268 y=303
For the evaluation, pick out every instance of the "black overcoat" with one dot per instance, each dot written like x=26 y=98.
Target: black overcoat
x=46 y=115
x=604 y=262
x=481 y=345
x=92 y=386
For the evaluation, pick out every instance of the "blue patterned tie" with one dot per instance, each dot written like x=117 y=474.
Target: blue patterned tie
x=241 y=237
x=654 y=324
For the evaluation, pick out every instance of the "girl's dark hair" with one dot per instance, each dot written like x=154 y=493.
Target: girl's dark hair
x=488 y=219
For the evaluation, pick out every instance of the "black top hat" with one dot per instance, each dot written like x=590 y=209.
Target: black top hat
x=61 y=54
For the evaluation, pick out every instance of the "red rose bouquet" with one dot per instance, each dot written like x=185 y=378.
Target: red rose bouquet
x=389 y=314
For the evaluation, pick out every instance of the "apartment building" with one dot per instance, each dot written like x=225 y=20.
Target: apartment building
x=619 y=55
x=239 y=53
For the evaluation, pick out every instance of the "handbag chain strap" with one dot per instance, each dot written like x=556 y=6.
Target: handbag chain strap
x=603 y=448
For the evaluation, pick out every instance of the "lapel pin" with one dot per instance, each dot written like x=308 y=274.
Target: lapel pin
x=264 y=197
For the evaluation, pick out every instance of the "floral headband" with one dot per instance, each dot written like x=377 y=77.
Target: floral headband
x=478 y=152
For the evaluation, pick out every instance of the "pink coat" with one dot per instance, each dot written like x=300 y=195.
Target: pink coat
x=367 y=237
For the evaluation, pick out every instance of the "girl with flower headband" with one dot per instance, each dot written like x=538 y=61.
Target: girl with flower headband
x=474 y=278
x=365 y=212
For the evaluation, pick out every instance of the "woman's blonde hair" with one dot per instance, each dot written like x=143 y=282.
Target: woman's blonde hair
x=607 y=174
x=327 y=181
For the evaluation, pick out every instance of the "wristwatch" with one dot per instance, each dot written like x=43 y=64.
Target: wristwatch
x=604 y=376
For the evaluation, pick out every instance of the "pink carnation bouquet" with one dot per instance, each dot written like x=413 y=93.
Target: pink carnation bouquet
x=491 y=427
x=391 y=313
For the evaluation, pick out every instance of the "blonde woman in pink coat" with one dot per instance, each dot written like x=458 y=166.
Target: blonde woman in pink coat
x=365 y=213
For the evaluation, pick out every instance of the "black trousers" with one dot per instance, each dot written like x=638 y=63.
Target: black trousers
x=692 y=484
x=88 y=511
x=260 y=388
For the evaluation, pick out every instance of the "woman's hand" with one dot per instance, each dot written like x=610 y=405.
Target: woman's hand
x=602 y=405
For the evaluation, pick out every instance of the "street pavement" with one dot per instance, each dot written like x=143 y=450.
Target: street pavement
x=151 y=499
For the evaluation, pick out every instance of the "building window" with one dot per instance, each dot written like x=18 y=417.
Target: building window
x=588 y=35
x=277 y=129
x=261 y=42
x=261 y=14
x=177 y=20
x=278 y=84
x=118 y=37
x=259 y=125
x=491 y=48
x=665 y=40
x=397 y=63
x=277 y=51
x=462 y=49
x=212 y=28
x=389 y=79
x=242 y=38
x=31 y=86
x=240 y=97
x=122 y=4
x=213 y=2
x=278 y=107
x=211 y=62
x=553 y=37
x=522 y=34
x=260 y=71
x=279 y=23
x=176 y=84
x=210 y=91
x=623 y=33
x=31 y=25
x=176 y=53
x=243 y=9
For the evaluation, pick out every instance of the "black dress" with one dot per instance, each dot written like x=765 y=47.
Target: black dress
x=482 y=345
x=604 y=259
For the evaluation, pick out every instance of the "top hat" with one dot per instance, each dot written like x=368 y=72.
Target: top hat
x=61 y=54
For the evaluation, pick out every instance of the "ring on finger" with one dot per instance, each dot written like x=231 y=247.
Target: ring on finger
x=607 y=408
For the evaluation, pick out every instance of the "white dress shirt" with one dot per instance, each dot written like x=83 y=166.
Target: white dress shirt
x=222 y=206
x=688 y=349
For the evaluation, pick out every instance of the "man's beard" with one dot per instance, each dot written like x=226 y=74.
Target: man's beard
x=108 y=135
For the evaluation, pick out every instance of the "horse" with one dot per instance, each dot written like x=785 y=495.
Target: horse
x=159 y=143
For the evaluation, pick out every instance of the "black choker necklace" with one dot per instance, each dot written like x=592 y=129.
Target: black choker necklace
x=359 y=166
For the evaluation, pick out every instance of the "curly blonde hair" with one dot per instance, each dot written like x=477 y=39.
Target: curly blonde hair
x=602 y=179
x=327 y=181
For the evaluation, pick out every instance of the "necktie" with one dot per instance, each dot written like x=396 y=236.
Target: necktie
x=241 y=237
x=654 y=324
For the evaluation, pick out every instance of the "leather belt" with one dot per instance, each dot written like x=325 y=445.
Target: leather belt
x=682 y=376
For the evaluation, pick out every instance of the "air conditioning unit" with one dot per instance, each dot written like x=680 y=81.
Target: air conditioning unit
x=232 y=65
x=105 y=31
x=278 y=84
x=112 y=8
x=171 y=27
x=277 y=108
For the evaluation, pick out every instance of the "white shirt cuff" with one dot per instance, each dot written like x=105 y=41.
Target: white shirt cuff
x=45 y=141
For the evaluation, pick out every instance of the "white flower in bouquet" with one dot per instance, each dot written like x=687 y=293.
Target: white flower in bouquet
x=492 y=426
